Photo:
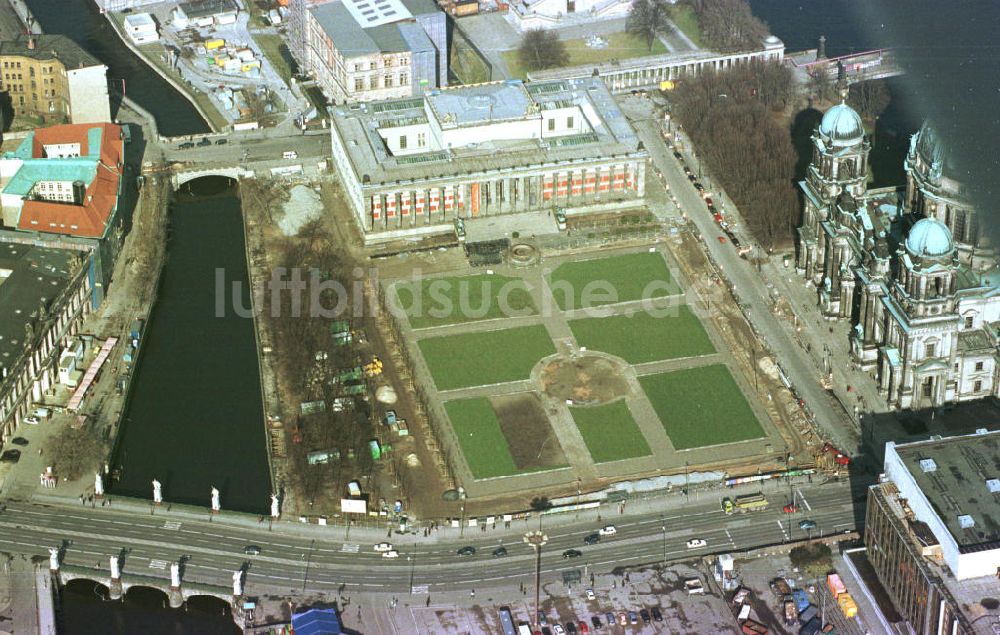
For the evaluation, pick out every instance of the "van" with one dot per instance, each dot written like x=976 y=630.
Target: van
x=42 y=413
x=290 y=154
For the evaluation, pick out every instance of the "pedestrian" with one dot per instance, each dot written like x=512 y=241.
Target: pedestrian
x=428 y=603
x=472 y=593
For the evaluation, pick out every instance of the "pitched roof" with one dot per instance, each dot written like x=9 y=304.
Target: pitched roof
x=99 y=166
x=50 y=47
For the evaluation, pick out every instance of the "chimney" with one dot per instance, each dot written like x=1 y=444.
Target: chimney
x=31 y=44
x=79 y=189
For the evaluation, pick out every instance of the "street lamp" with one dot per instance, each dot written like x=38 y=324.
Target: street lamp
x=663 y=527
x=536 y=539
x=307 y=557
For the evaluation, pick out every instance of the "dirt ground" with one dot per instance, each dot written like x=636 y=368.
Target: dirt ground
x=589 y=379
x=533 y=443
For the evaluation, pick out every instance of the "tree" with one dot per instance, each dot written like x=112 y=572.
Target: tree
x=75 y=451
x=540 y=503
x=647 y=19
x=728 y=25
x=821 y=86
x=869 y=98
x=541 y=49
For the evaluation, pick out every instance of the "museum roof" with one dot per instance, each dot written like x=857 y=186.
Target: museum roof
x=357 y=125
x=365 y=27
x=49 y=47
x=959 y=477
x=29 y=278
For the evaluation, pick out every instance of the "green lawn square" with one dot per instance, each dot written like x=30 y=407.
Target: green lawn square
x=610 y=432
x=643 y=337
x=483 y=443
x=587 y=283
x=701 y=406
x=441 y=301
x=492 y=357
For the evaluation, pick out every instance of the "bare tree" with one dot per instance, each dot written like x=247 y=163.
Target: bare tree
x=647 y=19
x=541 y=49
x=822 y=86
x=869 y=98
x=728 y=25
x=75 y=451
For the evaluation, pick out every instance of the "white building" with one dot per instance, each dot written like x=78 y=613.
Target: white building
x=545 y=14
x=205 y=13
x=141 y=28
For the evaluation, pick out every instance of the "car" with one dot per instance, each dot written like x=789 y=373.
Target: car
x=500 y=552
x=19 y=441
x=609 y=617
x=546 y=630
x=571 y=628
x=290 y=154
x=678 y=155
x=572 y=553
x=807 y=524
x=657 y=615
x=687 y=170
x=204 y=142
x=633 y=618
x=383 y=546
x=698 y=186
x=644 y=614
x=595 y=621
x=592 y=539
x=722 y=239
x=591 y=595
x=623 y=619
x=583 y=626
x=187 y=145
x=608 y=530
x=692 y=178
x=467 y=551
x=11 y=456
x=790 y=508
x=251 y=550
x=558 y=629
x=392 y=553
x=221 y=142
x=33 y=420
x=696 y=543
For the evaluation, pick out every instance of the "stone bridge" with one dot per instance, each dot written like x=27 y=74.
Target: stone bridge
x=858 y=67
x=128 y=580
x=191 y=173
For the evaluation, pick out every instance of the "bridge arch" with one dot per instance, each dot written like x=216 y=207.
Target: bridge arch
x=232 y=172
x=85 y=586
x=149 y=595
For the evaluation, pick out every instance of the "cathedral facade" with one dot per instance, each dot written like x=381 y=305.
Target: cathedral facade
x=908 y=267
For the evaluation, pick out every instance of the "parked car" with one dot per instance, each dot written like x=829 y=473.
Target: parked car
x=696 y=543
x=290 y=154
x=205 y=142
x=633 y=618
x=583 y=627
x=571 y=628
x=687 y=170
x=383 y=546
x=11 y=456
x=221 y=142
x=698 y=186
x=807 y=524
x=790 y=508
x=542 y=619
x=251 y=550
x=678 y=155
x=623 y=619
x=546 y=630
x=591 y=595
x=609 y=617
x=467 y=551
x=692 y=178
x=500 y=552
x=187 y=145
x=558 y=629
x=19 y=441
x=592 y=539
x=33 y=420
x=572 y=553
x=392 y=553
x=595 y=621
x=644 y=614
x=608 y=530
x=657 y=615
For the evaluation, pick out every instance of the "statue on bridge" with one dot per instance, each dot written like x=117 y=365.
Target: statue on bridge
x=275 y=508
x=157 y=492
x=53 y=559
x=175 y=576
x=216 y=506
x=98 y=485
x=238 y=583
x=116 y=570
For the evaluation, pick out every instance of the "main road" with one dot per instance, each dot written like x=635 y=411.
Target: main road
x=322 y=559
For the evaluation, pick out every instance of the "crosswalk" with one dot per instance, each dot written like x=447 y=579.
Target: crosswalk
x=420 y=590
x=348 y=547
x=172 y=524
x=157 y=564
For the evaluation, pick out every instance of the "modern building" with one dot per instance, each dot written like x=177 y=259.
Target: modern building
x=908 y=269
x=364 y=50
x=205 y=13
x=410 y=167
x=51 y=77
x=932 y=532
x=62 y=187
x=119 y=6
x=43 y=299
x=141 y=28
x=547 y=14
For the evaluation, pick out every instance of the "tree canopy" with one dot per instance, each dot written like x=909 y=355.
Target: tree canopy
x=75 y=451
x=541 y=49
x=647 y=19
x=728 y=25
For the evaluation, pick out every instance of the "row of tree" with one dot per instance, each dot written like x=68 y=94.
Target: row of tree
x=729 y=117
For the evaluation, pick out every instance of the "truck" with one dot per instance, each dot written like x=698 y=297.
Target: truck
x=751 y=627
x=746 y=503
x=507 y=621
x=791 y=612
x=847 y=605
x=741 y=595
x=836 y=585
x=694 y=586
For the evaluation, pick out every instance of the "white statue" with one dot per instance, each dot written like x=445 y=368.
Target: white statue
x=116 y=571
x=157 y=492
x=175 y=576
x=237 y=583
x=53 y=559
x=275 y=511
x=215 y=500
x=98 y=485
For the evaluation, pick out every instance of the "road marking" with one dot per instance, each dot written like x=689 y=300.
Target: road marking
x=157 y=564
x=782 y=528
x=804 y=501
x=730 y=536
x=172 y=524
x=348 y=547
x=420 y=590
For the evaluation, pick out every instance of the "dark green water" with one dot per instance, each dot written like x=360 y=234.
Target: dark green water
x=194 y=418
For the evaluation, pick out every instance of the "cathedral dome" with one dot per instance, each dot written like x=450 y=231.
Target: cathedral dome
x=842 y=125
x=929 y=238
x=928 y=145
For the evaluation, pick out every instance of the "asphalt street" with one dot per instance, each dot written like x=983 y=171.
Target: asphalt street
x=255 y=147
x=215 y=549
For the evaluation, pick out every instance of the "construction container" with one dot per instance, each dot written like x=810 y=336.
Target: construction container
x=809 y=613
x=835 y=584
x=847 y=605
x=750 y=627
x=811 y=627
x=801 y=599
x=245 y=55
x=249 y=66
x=217 y=43
x=744 y=613
x=791 y=613
x=780 y=586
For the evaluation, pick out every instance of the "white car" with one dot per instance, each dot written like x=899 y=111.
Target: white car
x=392 y=553
x=609 y=530
x=32 y=420
x=591 y=595
x=383 y=546
x=558 y=629
x=695 y=543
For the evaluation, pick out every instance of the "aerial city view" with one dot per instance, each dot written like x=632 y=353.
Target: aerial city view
x=530 y=317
